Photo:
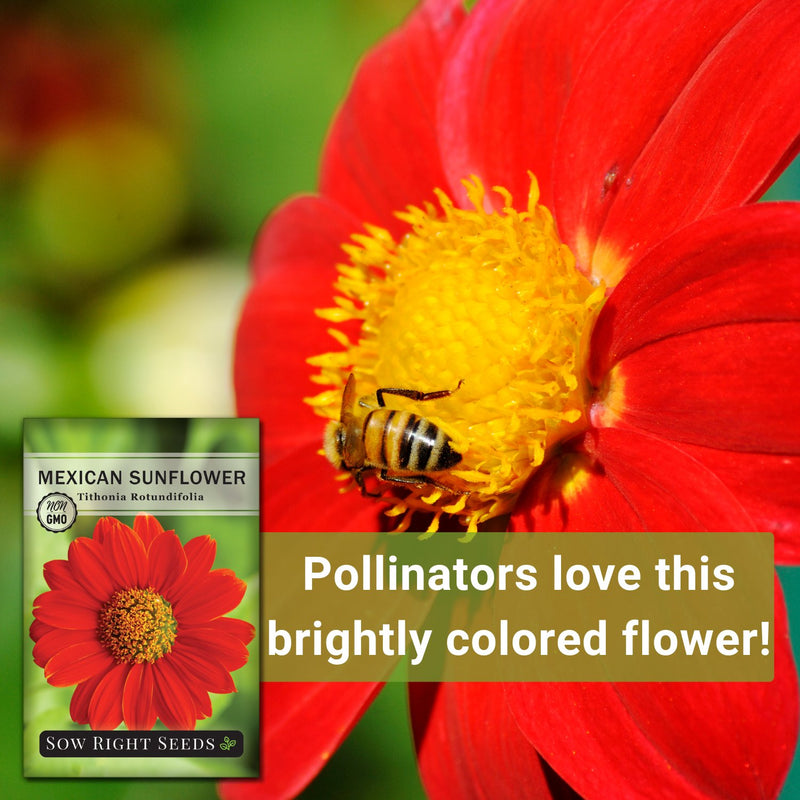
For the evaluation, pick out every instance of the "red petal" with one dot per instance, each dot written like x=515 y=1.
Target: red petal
x=58 y=575
x=305 y=474
x=711 y=316
x=204 y=668
x=147 y=528
x=725 y=121
x=202 y=703
x=200 y=553
x=382 y=152
x=173 y=701
x=138 y=710
x=127 y=558
x=469 y=746
x=199 y=695
x=105 y=707
x=167 y=562
x=301 y=725
x=610 y=109
x=294 y=263
x=106 y=524
x=217 y=594
x=732 y=387
x=505 y=87
x=551 y=503
x=229 y=650
x=39 y=629
x=648 y=483
x=77 y=663
x=742 y=265
x=79 y=705
x=230 y=626
x=87 y=560
x=766 y=485
x=687 y=740
x=57 y=639
x=304 y=236
x=63 y=609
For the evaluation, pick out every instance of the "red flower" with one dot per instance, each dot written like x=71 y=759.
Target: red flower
x=135 y=621
x=650 y=128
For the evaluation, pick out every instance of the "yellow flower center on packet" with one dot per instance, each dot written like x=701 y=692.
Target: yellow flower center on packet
x=136 y=626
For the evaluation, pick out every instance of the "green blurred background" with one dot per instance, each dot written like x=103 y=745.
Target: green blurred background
x=141 y=144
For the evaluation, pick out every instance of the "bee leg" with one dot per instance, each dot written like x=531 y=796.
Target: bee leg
x=414 y=394
x=359 y=478
x=417 y=480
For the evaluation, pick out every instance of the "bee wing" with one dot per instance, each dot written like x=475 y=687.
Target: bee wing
x=346 y=415
x=353 y=447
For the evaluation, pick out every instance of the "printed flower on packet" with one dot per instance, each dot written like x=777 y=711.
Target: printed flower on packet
x=543 y=212
x=134 y=619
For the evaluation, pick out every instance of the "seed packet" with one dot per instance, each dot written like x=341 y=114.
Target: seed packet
x=141 y=598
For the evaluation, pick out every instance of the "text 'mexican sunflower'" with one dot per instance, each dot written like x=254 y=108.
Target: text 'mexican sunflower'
x=536 y=226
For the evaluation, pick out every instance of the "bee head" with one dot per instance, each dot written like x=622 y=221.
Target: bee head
x=334 y=443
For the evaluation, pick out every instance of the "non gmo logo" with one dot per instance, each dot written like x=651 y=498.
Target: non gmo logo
x=56 y=512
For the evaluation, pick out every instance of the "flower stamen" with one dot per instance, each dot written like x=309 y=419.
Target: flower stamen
x=487 y=300
x=137 y=626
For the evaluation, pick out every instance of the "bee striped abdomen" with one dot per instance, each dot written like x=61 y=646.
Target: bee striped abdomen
x=400 y=440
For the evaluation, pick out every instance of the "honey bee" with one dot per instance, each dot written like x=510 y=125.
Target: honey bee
x=399 y=446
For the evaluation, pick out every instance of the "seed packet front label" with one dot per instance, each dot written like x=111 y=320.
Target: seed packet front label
x=141 y=557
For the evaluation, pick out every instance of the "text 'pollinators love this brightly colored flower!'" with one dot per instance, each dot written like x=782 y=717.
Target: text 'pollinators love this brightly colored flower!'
x=136 y=621
x=534 y=292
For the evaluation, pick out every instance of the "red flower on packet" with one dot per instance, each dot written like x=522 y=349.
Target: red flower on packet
x=135 y=621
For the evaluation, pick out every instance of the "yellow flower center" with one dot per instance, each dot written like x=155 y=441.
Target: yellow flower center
x=136 y=625
x=485 y=304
